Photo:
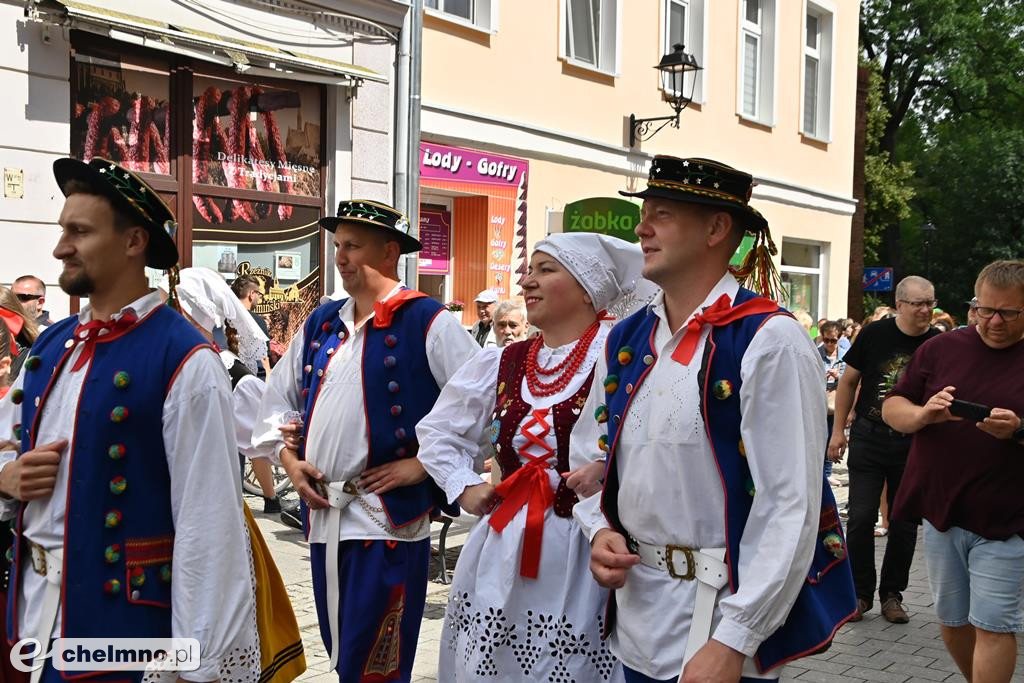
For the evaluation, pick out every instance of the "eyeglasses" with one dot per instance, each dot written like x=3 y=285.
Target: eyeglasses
x=830 y=340
x=1007 y=314
x=25 y=298
x=924 y=303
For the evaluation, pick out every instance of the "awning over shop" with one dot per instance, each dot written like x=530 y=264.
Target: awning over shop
x=203 y=38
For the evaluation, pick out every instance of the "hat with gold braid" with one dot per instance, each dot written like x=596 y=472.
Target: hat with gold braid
x=712 y=183
x=132 y=195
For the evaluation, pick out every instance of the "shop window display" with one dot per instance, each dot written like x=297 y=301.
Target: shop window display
x=121 y=112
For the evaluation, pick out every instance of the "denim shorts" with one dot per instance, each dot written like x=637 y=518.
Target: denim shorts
x=975 y=580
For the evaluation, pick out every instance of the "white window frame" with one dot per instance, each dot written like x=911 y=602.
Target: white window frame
x=825 y=12
x=821 y=271
x=485 y=15
x=609 y=44
x=765 y=31
x=695 y=38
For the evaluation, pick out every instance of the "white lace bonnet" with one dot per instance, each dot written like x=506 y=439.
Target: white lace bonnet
x=207 y=299
x=608 y=269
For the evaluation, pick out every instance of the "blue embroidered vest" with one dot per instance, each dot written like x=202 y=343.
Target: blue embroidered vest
x=398 y=391
x=118 y=533
x=827 y=598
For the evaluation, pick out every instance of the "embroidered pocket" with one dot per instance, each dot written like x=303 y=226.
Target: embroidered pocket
x=148 y=570
x=830 y=545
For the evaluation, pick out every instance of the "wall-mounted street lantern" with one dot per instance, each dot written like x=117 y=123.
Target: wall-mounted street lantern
x=674 y=66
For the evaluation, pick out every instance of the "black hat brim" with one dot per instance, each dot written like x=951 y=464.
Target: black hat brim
x=161 y=252
x=755 y=222
x=407 y=243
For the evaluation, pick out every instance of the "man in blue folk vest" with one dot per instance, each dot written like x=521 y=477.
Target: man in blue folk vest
x=126 y=492
x=719 y=532
x=362 y=372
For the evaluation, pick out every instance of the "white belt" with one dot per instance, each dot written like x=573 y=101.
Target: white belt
x=707 y=566
x=339 y=495
x=49 y=564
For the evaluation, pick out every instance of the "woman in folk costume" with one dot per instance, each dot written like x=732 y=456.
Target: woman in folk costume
x=523 y=604
x=207 y=302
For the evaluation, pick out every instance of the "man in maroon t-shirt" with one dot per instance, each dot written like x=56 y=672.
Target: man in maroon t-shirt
x=964 y=477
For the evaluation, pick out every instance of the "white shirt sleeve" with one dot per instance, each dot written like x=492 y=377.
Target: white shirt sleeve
x=454 y=431
x=211 y=598
x=449 y=347
x=10 y=415
x=583 y=450
x=283 y=393
x=784 y=440
x=246 y=399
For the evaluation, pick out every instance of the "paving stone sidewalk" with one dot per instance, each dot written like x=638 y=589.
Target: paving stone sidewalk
x=872 y=650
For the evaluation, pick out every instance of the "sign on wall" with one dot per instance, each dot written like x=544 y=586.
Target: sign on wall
x=435 y=236
x=605 y=215
x=442 y=162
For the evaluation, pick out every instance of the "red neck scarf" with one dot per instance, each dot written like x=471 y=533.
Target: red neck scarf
x=91 y=331
x=718 y=314
x=384 y=311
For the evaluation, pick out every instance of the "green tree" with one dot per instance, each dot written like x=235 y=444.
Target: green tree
x=887 y=183
x=951 y=88
x=938 y=62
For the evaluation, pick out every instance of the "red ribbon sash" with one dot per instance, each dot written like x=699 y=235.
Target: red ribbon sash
x=528 y=486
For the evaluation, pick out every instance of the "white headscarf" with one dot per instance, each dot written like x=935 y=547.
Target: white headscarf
x=207 y=299
x=608 y=269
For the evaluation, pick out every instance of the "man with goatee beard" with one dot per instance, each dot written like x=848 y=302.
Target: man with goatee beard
x=126 y=483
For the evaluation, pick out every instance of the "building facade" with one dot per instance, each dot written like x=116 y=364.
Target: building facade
x=533 y=98
x=251 y=119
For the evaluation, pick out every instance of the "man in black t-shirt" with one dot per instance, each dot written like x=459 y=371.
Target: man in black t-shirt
x=878 y=454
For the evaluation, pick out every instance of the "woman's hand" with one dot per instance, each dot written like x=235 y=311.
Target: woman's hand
x=586 y=480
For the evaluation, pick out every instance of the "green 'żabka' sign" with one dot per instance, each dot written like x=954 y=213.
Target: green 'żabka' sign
x=606 y=215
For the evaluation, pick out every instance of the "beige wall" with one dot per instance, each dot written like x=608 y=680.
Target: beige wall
x=516 y=74
x=509 y=91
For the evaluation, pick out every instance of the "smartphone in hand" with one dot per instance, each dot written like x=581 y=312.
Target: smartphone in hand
x=969 y=411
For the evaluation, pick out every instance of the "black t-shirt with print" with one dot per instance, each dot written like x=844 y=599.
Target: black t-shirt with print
x=880 y=353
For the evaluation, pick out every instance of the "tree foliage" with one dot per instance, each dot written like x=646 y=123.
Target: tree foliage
x=945 y=139
x=887 y=183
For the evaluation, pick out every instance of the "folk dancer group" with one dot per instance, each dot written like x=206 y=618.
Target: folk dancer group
x=661 y=512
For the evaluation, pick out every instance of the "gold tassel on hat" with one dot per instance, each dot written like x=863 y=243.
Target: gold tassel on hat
x=758 y=271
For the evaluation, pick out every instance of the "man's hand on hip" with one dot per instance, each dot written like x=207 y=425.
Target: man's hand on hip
x=714 y=663
x=610 y=559
x=34 y=474
x=384 y=478
x=1001 y=423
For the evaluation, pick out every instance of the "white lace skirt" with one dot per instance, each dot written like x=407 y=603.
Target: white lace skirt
x=501 y=626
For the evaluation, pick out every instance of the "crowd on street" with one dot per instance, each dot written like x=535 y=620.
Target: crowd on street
x=646 y=436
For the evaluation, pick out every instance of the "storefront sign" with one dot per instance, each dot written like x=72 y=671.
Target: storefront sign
x=435 y=236
x=605 y=215
x=454 y=163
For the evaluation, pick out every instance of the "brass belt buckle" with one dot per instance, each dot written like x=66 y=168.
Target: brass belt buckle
x=350 y=488
x=691 y=569
x=38 y=559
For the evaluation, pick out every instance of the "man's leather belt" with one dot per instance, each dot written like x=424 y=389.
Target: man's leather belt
x=707 y=566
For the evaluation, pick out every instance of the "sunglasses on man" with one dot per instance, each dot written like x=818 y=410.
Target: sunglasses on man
x=25 y=298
